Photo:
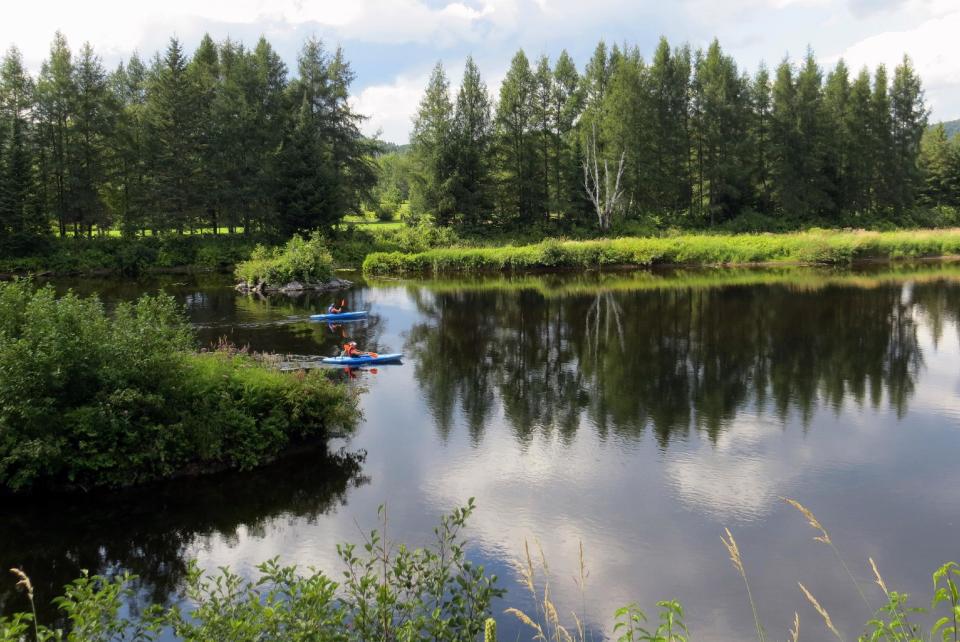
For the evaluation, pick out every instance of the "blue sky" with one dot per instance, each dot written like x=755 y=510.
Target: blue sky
x=393 y=44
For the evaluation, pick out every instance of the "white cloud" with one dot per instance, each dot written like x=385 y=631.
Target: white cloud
x=391 y=106
x=929 y=46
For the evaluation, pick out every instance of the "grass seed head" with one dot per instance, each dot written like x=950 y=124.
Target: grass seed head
x=822 y=611
x=811 y=519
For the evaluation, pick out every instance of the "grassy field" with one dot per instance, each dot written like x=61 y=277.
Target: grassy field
x=813 y=247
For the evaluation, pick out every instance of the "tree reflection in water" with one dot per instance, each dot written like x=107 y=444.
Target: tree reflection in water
x=671 y=360
x=147 y=531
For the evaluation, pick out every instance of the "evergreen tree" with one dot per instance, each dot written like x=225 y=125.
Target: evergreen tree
x=723 y=179
x=174 y=141
x=20 y=222
x=325 y=171
x=622 y=132
x=859 y=146
x=935 y=165
x=472 y=136
x=265 y=90
x=431 y=188
x=909 y=121
x=884 y=177
x=519 y=180
x=541 y=113
x=206 y=83
x=761 y=165
x=56 y=103
x=567 y=104
x=838 y=137
x=669 y=85
x=93 y=130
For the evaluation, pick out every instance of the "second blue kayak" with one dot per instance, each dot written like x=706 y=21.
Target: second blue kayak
x=343 y=316
x=363 y=361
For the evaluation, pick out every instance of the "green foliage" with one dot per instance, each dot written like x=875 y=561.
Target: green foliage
x=306 y=261
x=132 y=256
x=88 y=399
x=702 y=143
x=895 y=620
x=670 y=627
x=388 y=592
x=815 y=246
x=221 y=137
x=352 y=247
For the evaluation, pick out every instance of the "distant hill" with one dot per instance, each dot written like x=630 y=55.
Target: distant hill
x=952 y=127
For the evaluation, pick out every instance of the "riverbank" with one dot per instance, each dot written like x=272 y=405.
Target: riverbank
x=817 y=247
x=799 y=278
x=108 y=254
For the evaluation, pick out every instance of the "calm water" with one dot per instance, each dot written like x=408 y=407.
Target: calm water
x=640 y=414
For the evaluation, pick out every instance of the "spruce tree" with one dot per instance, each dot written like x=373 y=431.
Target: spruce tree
x=519 y=183
x=761 y=159
x=20 y=222
x=472 y=134
x=567 y=104
x=909 y=121
x=93 y=125
x=174 y=139
x=431 y=188
x=860 y=146
x=56 y=104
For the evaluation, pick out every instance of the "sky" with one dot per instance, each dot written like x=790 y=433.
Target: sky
x=393 y=44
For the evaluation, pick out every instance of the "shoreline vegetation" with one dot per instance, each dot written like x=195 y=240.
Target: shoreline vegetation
x=90 y=399
x=815 y=247
x=559 y=284
x=389 y=591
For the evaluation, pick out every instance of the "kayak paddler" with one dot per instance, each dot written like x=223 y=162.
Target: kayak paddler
x=335 y=309
x=350 y=350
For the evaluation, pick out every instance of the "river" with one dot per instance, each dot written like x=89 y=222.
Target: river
x=639 y=414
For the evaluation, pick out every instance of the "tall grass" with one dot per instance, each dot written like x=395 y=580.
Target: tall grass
x=816 y=247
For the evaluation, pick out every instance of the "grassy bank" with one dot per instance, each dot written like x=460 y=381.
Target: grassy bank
x=591 y=283
x=114 y=254
x=814 y=247
x=89 y=399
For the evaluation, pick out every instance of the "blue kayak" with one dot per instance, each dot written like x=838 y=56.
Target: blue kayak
x=364 y=361
x=343 y=316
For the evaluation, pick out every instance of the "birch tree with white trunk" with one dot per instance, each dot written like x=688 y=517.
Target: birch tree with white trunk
x=602 y=187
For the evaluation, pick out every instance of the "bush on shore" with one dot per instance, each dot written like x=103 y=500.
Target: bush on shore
x=813 y=247
x=306 y=261
x=89 y=399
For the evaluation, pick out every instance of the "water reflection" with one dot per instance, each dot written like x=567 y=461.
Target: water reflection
x=671 y=360
x=147 y=531
x=639 y=413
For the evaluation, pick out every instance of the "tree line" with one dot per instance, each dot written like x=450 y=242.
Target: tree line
x=222 y=138
x=701 y=141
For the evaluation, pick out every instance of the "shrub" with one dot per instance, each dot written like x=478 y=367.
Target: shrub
x=91 y=400
x=388 y=592
x=307 y=261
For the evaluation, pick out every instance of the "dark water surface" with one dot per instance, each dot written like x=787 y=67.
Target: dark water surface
x=640 y=414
